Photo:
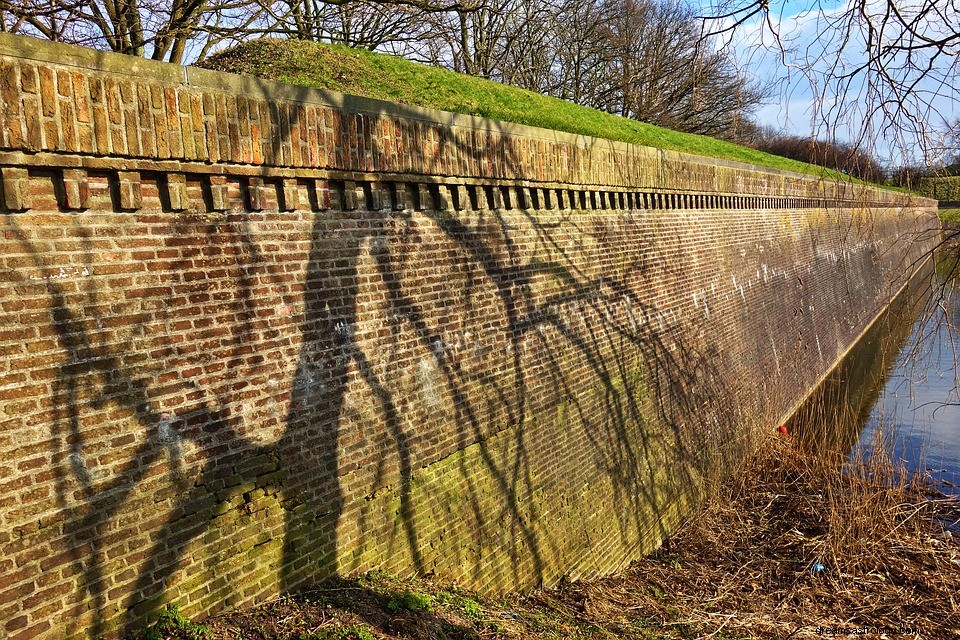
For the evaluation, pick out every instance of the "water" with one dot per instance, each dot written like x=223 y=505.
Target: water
x=900 y=381
x=918 y=406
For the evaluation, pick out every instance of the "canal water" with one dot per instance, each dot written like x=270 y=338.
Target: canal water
x=918 y=407
x=898 y=388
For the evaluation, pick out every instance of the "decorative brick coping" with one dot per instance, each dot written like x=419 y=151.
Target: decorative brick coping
x=67 y=188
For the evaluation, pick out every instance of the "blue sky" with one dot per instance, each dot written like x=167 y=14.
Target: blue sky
x=801 y=67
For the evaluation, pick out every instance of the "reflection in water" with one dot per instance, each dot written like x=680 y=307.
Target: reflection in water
x=834 y=415
x=919 y=404
x=901 y=377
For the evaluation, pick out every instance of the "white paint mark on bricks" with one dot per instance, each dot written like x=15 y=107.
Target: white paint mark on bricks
x=64 y=273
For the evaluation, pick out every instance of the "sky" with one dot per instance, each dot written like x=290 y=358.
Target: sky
x=803 y=48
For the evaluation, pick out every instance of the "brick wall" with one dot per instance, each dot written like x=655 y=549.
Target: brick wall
x=254 y=335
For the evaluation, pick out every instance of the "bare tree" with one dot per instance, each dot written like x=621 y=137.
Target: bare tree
x=580 y=61
x=366 y=24
x=641 y=59
x=843 y=157
x=477 y=39
x=152 y=28
x=663 y=73
x=880 y=69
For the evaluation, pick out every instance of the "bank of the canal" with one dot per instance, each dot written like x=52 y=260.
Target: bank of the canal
x=916 y=410
x=898 y=386
x=919 y=405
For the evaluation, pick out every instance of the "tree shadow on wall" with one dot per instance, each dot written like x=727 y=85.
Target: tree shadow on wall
x=97 y=379
x=215 y=467
x=652 y=386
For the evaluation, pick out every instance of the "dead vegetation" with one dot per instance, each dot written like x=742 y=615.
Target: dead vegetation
x=795 y=548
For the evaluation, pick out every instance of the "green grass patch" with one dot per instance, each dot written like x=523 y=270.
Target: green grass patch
x=170 y=625
x=410 y=601
x=384 y=77
x=949 y=215
x=464 y=604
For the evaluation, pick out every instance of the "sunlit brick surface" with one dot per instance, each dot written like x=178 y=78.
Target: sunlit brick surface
x=253 y=335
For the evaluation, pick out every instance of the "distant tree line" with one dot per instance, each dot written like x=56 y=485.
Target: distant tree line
x=854 y=161
x=844 y=157
x=945 y=162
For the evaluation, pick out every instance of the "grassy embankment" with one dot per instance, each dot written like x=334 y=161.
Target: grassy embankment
x=384 y=77
x=748 y=566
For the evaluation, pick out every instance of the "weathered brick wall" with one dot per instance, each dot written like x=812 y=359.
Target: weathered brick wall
x=255 y=334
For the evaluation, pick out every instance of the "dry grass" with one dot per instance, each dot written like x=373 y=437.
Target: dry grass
x=748 y=566
x=745 y=567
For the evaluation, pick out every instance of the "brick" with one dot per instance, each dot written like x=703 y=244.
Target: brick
x=111 y=93
x=425 y=197
x=101 y=134
x=290 y=199
x=257 y=193
x=82 y=101
x=323 y=194
x=17 y=622
x=161 y=137
x=219 y=197
x=12 y=133
x=350 y=196
x=50 y=132
x=462 y=197
x=442 y=198
x=28 y=78
x=129 y=190
x=76 y=189
x=16 y=188
x=131 y=134
x=48 y=92
x=68 y=125
x=34 y=631
x=172 y=122
x=177 y=191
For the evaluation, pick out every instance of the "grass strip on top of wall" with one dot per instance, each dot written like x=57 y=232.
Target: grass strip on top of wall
x=384 y=77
